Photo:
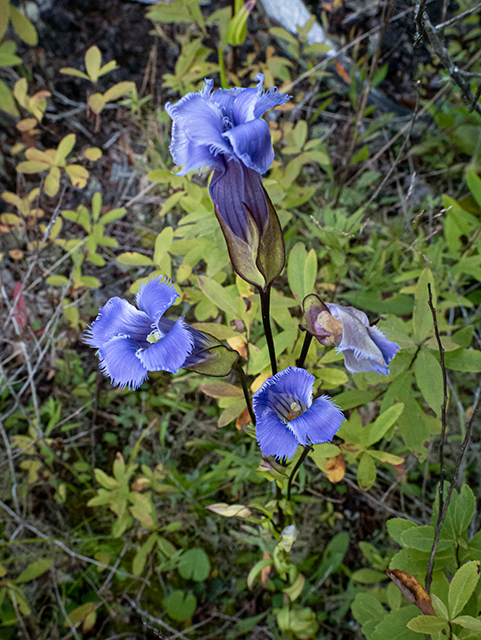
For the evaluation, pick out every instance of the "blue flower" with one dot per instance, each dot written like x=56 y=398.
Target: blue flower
x=365 y=348
x=131 y=342
x=223 y=130
x=286 y=416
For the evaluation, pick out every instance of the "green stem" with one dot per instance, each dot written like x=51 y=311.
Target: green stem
x=243 y=380
x=265 y=310
x=305 y=348
x=303 y=456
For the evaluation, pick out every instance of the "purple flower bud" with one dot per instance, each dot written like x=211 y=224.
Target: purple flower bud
x=223 y=130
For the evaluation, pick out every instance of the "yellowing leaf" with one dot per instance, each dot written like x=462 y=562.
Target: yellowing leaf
x=110 y=66
x=64 y=148
x=52 y=182
x=221 y=390
x=230 y=510
x=93 y=153
x=70 y=71
x=26 y=124
x=16 y=254
x=96 y=102
x=78 y=175
x=93 y=60
x=134 y=259
x=10 y=218
x=336 y=468
x=118 y=90
x=80 y=613
x=32 y=167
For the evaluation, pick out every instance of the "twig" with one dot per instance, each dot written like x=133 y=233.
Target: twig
x=61 y=545
x=445 y=400
x=418 y=18
x=455 y=19
x=440 y=50
x=143 y=614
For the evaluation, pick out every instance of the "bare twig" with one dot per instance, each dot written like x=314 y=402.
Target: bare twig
x=456 y=74
x=455 y=19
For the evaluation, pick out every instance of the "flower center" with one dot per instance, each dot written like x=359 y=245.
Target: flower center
x=154 y=336
x=295 y=411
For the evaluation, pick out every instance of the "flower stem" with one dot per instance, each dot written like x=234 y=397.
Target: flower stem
x=265 y=310
x=243 y=380
x=302 y=457
x=305 y=348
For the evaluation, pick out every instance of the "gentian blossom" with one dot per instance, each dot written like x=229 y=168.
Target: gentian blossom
x=286 y=416
x=131 y=342
x=223 y=130
x=365 y=348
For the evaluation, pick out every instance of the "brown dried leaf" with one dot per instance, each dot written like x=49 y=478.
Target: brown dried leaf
x=336 y=468
x=413 y=590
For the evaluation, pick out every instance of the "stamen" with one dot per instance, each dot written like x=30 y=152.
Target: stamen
x=154 y=337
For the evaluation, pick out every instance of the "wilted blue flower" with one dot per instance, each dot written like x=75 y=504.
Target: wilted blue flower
x=365 y=348
x=286 y=416
x=131 y=342
x=223 y=130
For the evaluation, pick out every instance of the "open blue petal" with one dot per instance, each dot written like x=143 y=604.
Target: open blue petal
x=200 y=120
x=231 y=189
x=171 y=351
x=388 y=347
x=252 y=144
x=189 y=155
x=155 y=296
x=274 y=436
x=119 y=361
x=118 y=317
x=319 y=423
x=268 y=99
x=294 y=381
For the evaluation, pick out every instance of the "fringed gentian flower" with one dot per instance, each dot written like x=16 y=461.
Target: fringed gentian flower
x=223 y=130
x=365 y=348
x=286 y=416
x=131 y=342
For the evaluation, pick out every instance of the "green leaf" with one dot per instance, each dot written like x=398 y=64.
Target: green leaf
x=367 y=610
x=460 y=512
x=96 y=205
x=382 y=424
x=366 y=472
x=218 y=296
x=57 y=281
x=221 y=390
x=468 y=622
x=64 y=148
x=474 y=184
x=462 y=360
x=118 y=90
x=394 y=625
x=23 y=27
x=80 y=613
x=429 y=379
x=179 y=605
x=4 y=16
x=301 y=271
x=462 y=586
x=113 y=215
x=194 y=565
x=368 y=576
x=422 y=317
x=7 y=53
x=7 y=103
x=163 y=243
x=427 y=624
x=132 y=258
x=422 y=538
x=34 y=570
